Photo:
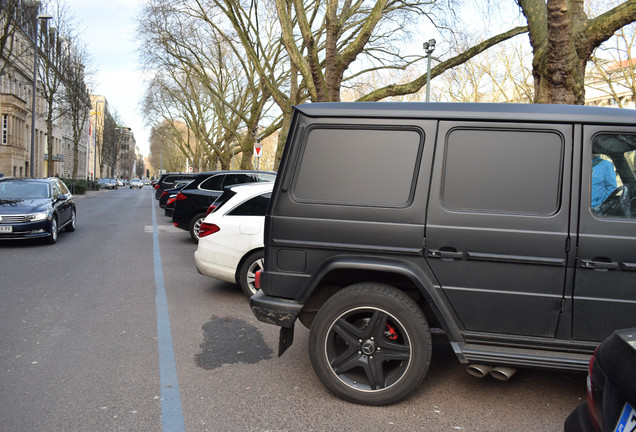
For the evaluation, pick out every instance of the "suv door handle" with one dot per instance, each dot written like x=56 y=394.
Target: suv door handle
x=599 y=265
x=446 y=254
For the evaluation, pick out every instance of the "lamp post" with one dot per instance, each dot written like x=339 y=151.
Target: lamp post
x=429 y=47
x=35 y=89
x=97 y=113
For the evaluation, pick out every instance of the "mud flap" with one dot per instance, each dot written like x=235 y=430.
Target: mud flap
x=285 y=339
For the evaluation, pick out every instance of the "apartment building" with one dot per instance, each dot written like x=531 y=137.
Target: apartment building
x=16 y=102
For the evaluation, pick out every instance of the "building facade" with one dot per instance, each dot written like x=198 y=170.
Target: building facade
x=16 y=103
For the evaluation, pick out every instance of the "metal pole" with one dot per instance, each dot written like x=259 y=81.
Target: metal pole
x=35 y=89
x=95 y=140
x=429 y=47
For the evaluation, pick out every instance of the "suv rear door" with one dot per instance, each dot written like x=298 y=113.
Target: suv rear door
x=498 y=224
x=605 y=283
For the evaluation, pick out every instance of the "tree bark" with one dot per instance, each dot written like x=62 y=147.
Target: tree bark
x=562 y=39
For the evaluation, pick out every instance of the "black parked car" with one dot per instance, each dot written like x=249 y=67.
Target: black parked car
x=168 y=181
x=35 y=208
x=611 y=388
x=172 y=192
x=191 y=204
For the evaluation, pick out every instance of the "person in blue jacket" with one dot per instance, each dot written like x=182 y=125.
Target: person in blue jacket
x=603 y=180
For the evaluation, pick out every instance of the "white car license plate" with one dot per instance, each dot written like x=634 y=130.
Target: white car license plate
x=6 y=228
x=627 y=422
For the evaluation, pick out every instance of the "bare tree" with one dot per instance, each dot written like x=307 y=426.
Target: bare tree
x=335 y=43
x=77 y=98
x=15 y=17
x=501 y=74
x=563 y=39
x=55 y=45
x=203 y=80
x=613 y=70
x=163 y=153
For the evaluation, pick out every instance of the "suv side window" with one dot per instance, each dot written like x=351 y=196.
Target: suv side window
x=613 y=175
x=256 y=206
x=385 y=179
x=501 y=171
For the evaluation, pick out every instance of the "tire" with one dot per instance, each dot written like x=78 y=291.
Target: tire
x=195 y=223
x=70 y=227
x=52 y=238
x=247 y=272
x=370 y=344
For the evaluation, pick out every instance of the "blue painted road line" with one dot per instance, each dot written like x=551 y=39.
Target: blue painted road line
x=171 y=409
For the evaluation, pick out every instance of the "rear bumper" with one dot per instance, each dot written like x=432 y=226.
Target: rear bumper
x=274 y=310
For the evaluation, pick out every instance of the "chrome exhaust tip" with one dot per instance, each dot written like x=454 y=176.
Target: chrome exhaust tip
x=478 y=370
x=502 y=373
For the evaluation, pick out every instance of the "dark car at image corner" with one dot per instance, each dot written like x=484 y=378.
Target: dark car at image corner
x=611 y=388
x=35 y=208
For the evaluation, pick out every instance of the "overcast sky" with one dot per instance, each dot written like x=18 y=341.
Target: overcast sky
x=107 y=27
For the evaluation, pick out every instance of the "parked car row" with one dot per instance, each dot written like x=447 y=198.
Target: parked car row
x=107 y=183
x=224 y=212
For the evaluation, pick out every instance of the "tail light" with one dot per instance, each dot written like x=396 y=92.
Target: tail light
x=164 y=193
x=210 y=209
x=208 y=228
x=181 y=197
x=157 y=186
x=257 y=279
x=170 y=201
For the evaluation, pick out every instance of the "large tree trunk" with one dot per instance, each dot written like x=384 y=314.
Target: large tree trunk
x=563 y=38
x=559 y=72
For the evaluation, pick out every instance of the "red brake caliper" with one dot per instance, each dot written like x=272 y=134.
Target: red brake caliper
x=390 y=332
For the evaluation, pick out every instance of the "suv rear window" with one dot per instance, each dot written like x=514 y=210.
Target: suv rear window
x=256 y=206
x=330 y=170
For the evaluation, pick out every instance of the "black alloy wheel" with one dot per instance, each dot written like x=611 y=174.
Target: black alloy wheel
x=370 y=344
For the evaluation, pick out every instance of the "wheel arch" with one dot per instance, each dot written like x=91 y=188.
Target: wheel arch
x=404 y=275
x=242 y=260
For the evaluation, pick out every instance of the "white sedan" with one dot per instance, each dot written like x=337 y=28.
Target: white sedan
x=136 y=184
x=231 y=236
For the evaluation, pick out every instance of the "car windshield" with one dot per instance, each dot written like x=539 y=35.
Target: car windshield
x=23 y=189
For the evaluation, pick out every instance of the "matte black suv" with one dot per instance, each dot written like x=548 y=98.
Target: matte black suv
x=192 y=202
x=511 y=228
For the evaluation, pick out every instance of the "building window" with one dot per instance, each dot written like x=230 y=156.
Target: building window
x=5 y=128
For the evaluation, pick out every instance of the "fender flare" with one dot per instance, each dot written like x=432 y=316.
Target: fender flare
x=421 y=278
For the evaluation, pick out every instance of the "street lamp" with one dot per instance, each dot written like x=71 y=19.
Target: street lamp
x=97 y=113
x=35 y=88
x=429 y=47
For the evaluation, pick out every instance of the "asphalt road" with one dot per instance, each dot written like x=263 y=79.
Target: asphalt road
x=82 y=347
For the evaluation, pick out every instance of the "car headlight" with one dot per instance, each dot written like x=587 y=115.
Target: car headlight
x=38 y=216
